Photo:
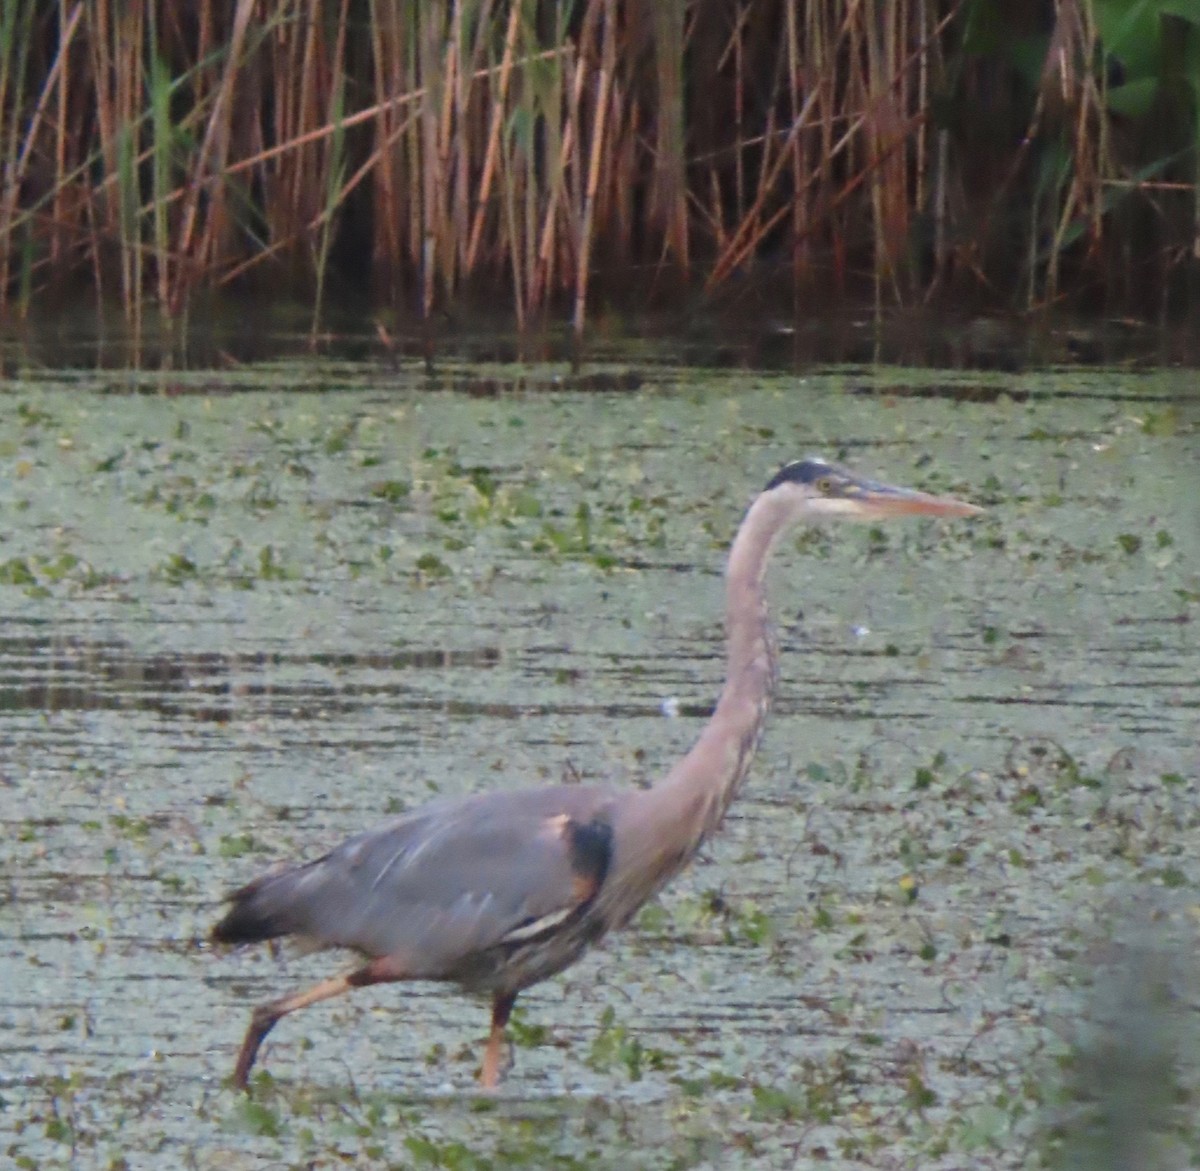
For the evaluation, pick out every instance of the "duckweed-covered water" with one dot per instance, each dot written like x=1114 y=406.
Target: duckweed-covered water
x=951 y=923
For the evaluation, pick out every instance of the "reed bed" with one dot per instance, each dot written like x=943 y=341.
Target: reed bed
x=543 y=154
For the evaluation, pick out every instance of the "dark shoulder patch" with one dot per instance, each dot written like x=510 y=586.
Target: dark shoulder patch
x=590 y=844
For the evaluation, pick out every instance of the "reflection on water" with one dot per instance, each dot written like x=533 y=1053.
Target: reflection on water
x=40 y=673
x=742 y=332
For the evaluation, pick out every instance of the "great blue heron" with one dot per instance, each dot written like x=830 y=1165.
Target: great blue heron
x=497 y=891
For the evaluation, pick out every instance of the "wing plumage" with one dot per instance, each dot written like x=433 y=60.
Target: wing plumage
x=441 y=884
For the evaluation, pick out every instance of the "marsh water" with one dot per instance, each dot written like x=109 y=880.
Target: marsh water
x=950 y=922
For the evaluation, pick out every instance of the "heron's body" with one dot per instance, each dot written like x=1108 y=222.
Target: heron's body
x=498 y=891
x=384 y=893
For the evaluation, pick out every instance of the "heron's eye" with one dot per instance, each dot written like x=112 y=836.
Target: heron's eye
x=824 y=485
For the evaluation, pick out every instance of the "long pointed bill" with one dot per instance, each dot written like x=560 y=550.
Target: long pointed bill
x=878 y=501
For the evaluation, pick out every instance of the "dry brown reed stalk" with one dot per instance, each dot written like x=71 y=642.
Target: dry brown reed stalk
x=883 y=88
x=595 y=161
x=668 y=184
x=115 y=42
x=560 y=144
x=430 y=60
x=305 y=70
x=335 y=167
x=19 y=142
x=859 y=125
x=495 y=123
x=798 y=154
x=1071 y=95
x=391 y=125
x=65 y=189
x=161 y=149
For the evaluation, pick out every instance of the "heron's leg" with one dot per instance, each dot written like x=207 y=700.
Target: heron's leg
x=266 y=1016
x=502 y=1006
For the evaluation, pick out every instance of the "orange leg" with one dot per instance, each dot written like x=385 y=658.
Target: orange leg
x=266 y=1016
x=502 y=1006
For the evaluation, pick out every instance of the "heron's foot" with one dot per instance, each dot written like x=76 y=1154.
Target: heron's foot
x=489 y=1073
x=498 y=1059
x=262 y=1021
x=265 y=1017
x=497 y=1050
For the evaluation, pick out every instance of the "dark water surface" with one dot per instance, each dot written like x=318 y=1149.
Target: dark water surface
x=251 y=613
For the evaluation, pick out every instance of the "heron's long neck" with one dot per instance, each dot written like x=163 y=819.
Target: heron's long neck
x=690 y=802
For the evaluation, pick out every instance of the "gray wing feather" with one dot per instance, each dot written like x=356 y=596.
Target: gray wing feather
x=442 y=883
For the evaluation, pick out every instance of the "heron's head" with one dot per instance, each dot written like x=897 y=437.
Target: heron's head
x=821 y=489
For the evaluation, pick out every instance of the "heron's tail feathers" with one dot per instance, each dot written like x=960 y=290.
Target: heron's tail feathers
x=263 y=909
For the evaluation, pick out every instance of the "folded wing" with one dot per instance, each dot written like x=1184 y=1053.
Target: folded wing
x=441 y=884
